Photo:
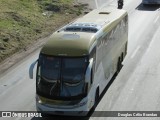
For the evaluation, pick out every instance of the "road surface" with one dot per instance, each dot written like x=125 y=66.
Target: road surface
x=137 y=86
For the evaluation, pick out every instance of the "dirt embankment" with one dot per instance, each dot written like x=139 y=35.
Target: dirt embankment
x=23 y=23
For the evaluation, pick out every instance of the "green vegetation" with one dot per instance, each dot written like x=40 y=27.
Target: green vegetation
x=22 y=22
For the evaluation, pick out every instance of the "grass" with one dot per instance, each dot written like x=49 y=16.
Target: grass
x=22 y=22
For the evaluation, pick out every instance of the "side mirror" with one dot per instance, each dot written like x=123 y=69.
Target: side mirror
x=31 y=68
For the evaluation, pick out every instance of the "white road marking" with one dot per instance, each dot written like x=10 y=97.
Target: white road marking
x=156 y=19
x=134 y=53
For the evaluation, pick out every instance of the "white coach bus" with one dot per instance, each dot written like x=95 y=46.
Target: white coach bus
x=152 y=2
x=79 y=60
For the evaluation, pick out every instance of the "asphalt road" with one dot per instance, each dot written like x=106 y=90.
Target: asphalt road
x=135 y=88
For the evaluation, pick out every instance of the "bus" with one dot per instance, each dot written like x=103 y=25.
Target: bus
x=150 y=2
x=79 y=60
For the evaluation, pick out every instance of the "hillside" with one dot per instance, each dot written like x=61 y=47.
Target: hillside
x=23 y=22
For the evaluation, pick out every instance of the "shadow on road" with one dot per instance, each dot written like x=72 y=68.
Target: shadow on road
x=142 y=7
x=92 y=113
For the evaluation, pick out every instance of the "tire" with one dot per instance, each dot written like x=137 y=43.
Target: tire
x=122 y=57
x=95 y=103
x=96 y=99
x=118 y=65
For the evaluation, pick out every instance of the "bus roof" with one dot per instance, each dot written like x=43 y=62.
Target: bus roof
x=77 y=38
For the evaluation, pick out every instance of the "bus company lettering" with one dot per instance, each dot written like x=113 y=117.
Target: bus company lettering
x=137 y=114
x=149 y=115
x=124 y=115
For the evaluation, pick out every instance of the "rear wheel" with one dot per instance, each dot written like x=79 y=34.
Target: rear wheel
x=119 y=65
x=122 y=56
